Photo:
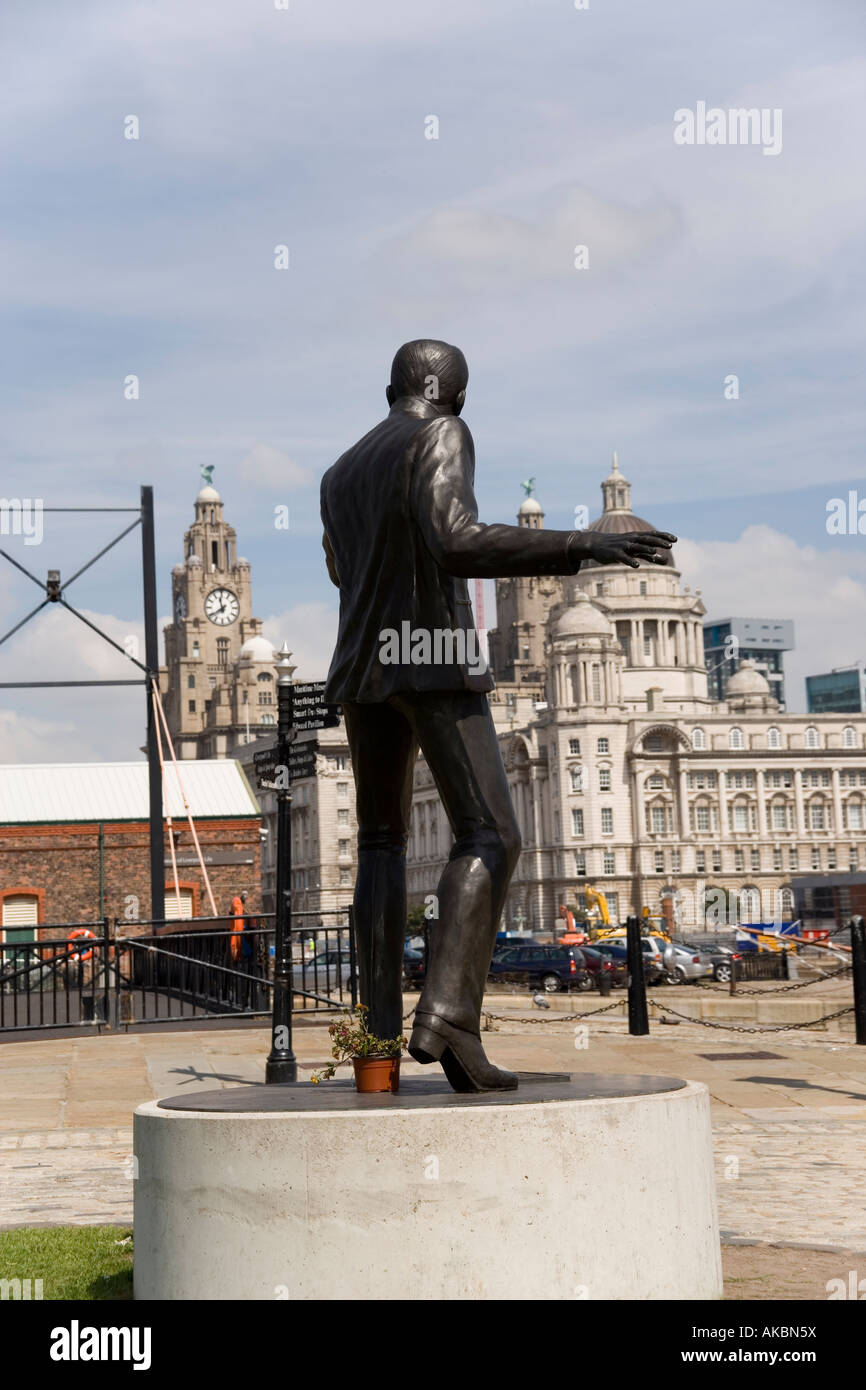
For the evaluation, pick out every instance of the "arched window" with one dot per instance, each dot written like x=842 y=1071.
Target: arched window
x=774 y=738
x=786 y=903
x=849 y=736
x=264 y=676
x=735 y=738
x=854 y=818
x=750 y=905
x=812 y=737
x=699 y=738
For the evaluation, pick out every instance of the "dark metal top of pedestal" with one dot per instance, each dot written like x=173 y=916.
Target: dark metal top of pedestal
x=417 y=1093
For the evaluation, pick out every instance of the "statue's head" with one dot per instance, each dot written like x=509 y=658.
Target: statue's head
x=428 y=370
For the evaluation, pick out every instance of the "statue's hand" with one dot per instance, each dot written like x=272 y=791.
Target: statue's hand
x=629 y=548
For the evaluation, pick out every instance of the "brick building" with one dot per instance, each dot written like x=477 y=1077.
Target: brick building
x=74 y=843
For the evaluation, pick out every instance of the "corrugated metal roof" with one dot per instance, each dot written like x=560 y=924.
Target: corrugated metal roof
x=48 y=792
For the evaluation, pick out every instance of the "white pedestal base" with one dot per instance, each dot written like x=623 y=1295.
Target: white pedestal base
x=452 y=1198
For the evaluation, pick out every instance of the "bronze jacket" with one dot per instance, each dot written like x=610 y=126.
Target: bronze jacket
x=402 y=536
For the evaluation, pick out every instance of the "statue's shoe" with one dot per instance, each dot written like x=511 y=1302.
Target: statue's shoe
x=463 y=1058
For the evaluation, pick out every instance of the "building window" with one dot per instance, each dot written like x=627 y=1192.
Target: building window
x=812 y=739
x=577 y=821
x=642 y=589
x=20 y=912
x=793 y=858
x=596 y=681
x=831 y=857
x=774 y=738
x=599 y=589
x=854 y=815
x=345 y=878
x=343 y=816
x=580 y=863
x=222 y=651
x=717 y=861
x=266 y=719
x=816 y=815
x=604 y=779
x=192 y=706
x=849 y=736
x=266 y=697
x=606 y=820
x=699 y=738
x=659 y=861
x=735 y=738
x=264 y=676
x=675 y=861
x=608 y=863
x=577 y=779
x=195 y=649
x=342 y=789
x=816 y=857
x=658 y=820
x=574 y=745
x=756 y=860
x=656 y=782
x=782 y=816
x=853 y=858
x=700 y=862
x=343 y=849
x=190 y=682
x=603 y=745
x=777 y=859
x=739 y=861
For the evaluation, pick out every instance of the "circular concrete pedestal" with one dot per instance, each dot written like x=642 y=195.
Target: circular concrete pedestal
x=571 y=1187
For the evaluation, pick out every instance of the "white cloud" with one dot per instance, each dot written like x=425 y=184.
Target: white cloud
x=767 y=574
x=311 y=632
x=265 y=466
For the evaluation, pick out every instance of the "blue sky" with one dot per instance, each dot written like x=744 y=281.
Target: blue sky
x=306 y=127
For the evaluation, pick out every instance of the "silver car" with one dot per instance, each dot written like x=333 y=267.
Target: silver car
x=684 y=963
x=327 y=973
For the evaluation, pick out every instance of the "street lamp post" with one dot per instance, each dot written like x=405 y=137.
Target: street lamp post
x=282 y=1064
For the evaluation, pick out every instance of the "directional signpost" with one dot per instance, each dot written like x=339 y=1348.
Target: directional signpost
x=300 y=708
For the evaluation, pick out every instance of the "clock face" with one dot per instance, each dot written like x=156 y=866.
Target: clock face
x=222 y=607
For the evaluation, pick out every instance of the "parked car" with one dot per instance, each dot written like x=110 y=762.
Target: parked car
x=414 y=968
x=327 y=972
x=653 y=968
x=553 y=968
x=597 y=960
x=721 y=954
x=684 y=963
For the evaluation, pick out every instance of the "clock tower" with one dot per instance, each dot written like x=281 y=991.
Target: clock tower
x=220 y=690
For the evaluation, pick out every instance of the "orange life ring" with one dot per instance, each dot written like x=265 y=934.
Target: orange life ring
x=74 y=935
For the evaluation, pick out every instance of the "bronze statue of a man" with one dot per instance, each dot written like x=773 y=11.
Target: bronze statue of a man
x=402 y=537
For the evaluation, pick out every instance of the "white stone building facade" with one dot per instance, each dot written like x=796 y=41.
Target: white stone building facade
x=624 y=774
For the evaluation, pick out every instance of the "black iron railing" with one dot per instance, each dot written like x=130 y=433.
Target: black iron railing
x=104 y=974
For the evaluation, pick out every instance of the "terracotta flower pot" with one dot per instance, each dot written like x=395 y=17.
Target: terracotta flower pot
x=376 y=1074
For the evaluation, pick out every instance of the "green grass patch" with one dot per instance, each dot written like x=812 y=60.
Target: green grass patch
x=86 y=1262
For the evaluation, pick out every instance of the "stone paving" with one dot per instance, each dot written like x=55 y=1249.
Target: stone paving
x=790 y=1130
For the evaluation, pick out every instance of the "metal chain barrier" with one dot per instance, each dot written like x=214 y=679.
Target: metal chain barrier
x=556 y=1018
x=782 y=989
x=745 y=1028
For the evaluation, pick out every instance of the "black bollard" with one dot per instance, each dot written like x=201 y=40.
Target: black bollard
x=638 y=1017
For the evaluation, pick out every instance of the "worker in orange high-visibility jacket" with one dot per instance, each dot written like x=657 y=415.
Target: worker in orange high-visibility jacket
x=238 y=909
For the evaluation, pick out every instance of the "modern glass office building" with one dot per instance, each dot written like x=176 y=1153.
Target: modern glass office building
x=730 y=641
x=842 y=691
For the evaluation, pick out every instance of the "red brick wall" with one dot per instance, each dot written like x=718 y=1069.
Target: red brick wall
x=61 y=864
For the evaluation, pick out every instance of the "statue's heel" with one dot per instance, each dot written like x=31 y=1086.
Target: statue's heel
x=425 y=1045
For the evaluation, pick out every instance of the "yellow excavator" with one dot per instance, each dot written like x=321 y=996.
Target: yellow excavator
x=597 y=902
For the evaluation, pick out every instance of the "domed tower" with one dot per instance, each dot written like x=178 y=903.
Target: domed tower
x=212 y=606
x=748 y=691
x=657 y=623
x=584 y=658
x=516 y=645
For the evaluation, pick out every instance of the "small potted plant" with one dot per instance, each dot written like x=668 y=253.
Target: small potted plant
x=376 y=1061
